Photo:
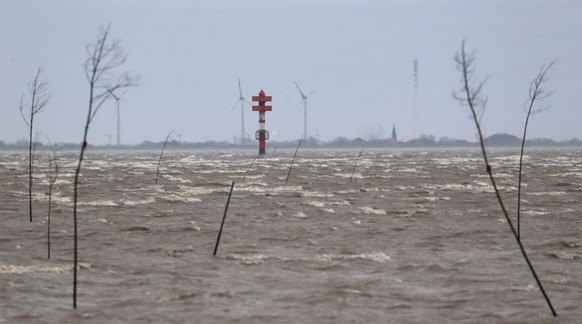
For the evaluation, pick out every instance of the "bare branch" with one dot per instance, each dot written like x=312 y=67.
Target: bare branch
x=537 y=93
x=472 y=98
x=21 y=108
x=104 y=57
x=37 y=90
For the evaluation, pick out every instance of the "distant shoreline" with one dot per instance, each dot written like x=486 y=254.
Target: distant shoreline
x=494 y=141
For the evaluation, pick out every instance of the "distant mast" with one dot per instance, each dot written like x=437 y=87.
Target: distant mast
x=394 y=136
x=415 y=129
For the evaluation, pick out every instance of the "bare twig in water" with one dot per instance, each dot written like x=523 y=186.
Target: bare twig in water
x=223 y=218
x=294 y=155
x=470 y=95
x=53 y=166
x=536 y=94
x=37 y=89
x=250 y=166
x=162 y=153
x=104 y=57
x=355 y=164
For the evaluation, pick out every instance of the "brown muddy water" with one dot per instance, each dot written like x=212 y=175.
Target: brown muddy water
x=416 y=237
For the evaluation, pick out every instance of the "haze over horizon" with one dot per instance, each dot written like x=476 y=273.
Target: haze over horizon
x=357 y=56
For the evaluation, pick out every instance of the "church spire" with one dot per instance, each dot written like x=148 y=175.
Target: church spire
x=394 y=136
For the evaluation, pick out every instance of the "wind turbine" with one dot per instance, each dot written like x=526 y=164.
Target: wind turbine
x=304 y=97
x=117 y=99
x=241 y=99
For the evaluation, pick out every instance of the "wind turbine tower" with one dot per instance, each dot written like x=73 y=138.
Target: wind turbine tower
x=117 y=99
x=415 y=104
x=304 y=98
x=241 y=99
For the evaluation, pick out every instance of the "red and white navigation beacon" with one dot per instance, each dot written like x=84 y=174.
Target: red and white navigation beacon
x=262 y=135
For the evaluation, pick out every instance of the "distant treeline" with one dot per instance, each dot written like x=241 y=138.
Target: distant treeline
x=496 y=140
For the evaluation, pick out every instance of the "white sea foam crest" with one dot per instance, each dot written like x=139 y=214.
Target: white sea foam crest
x=97 y=203
x=317 y=194
x=256 y=187
x=375 y=256
x=314 y=203
x=356 y=175
x=13 y=268
x=194 y=191
x=175 y=197
x=176 y=179
x=372 y=210
x=126 y=202
x=547 y=193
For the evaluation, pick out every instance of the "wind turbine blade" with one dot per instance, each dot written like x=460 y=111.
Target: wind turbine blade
x=301 y=92
x=312 y=92
x=113 y=95
x=240 y=91
x=236 y=104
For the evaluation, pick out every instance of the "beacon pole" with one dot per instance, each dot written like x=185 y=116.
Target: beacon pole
x=262 y=135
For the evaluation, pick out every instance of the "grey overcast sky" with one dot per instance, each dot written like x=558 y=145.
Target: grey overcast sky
x=357 y=55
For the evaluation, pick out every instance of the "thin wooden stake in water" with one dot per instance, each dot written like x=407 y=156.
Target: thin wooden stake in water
x=294 y=155
x=250 y=166
x=162 y=153
x=223 y=218
x=354 y=170
x=52 y=181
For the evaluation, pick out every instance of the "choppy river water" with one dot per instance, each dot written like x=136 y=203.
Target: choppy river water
x=415 y=237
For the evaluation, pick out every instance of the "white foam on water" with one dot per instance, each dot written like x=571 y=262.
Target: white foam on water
x=255 y=186
x=547 y=193
x=571 y=174
x=556 y=279
x=434 y=198
x=404 y=188
x=372 y=210
x=348 y=175
x=370 y=189
x=176 y=179
x=179 y=198
x=339 y=203
x=13 y=268
x=317 y=194
x=572 y=244
x=97 y=203
x=530 y=287
x=196 y=191
x=286 y=189
x=250 y=259
x=564 y=255
x=409 y=170
x=147 y=201
x=477 y=186
x=534 y=212
x=213 y=171
x=314 y=203
x=348 y=191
